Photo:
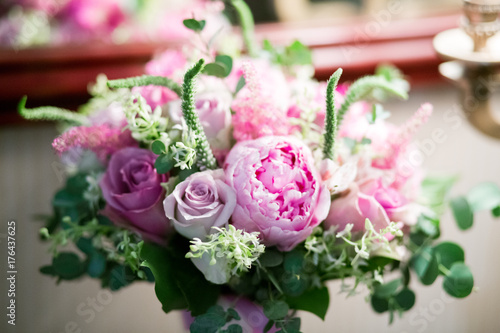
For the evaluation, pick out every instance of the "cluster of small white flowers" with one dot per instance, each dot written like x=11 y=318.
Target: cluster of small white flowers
x=370 y=237
x=239 y=248
x=184 y=152
x=146 y=125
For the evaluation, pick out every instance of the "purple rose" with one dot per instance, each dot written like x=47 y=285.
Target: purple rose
x=200 y=202
x=133 y=193
x=278 y=190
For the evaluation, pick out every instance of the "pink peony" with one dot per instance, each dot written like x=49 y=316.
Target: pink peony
x=278 y=190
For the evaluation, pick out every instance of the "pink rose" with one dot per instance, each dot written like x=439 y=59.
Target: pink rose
x=133 y=192
x=278 y=190
x=200 y=202
x=354 y=207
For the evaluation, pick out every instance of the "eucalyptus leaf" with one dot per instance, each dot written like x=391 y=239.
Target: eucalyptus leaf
x=158 y=147
x=275 y=310
x=241 y=83
x=449 y=253
x=426 y=266
x=68 y=266
x=194 y=25
x=405 y=299
x=388 y=289
x=460 y=282
x=485 y=196
x=314 y=300
x=215 y=69
x=462 y=212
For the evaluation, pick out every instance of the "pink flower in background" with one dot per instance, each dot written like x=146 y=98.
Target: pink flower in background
x=133 y=193
x=171 y=64
x=278 y=190
x=256 y=114
x=200 y=202
x=104 y=140
x=354 y=207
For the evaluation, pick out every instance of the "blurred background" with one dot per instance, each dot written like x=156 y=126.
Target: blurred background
x=51 y=49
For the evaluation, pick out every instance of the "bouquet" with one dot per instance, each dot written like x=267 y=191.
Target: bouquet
x=240 y=186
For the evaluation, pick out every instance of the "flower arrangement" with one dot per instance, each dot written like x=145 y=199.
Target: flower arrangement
x=240 y=186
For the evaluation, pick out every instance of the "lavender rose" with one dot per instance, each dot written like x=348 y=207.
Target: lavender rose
x=200 y=202
x=133 y=192
x=278 y=190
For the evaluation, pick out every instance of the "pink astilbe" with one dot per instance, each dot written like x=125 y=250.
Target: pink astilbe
x=256 y=115
x=103 y=140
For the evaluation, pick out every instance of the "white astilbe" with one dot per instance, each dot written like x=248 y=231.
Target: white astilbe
x=236 y=248
x=145 y=124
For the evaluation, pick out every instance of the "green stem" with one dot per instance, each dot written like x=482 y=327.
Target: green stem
x=146 y=80
x=364 y=86
x=50 y=113
x=203 y=152
x=331 y=124
x=444 y=270
x=247 y=25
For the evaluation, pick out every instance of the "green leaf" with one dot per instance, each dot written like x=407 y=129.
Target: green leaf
x=496 y=211
x=215 y=69
x=462 y=212
x=84 y=244
x=97 y=265
x=460 y=282
x=429 y=226
x=162 y=266
x=426 y=266
x=271 y=258
x=158 y=147
x=294 y=261
x=435 y=191
x=120 y=277
x=448 y=253
x=388 y=289
x=241 y=83
x=227 y=61
x=275 y=310
x=164 y=163
x=234 y=328
x=379 y=305
x=366 y=141
x=194 y=25
x=207 y=323
x=268 y=326
x=68 y=266
x=292 y=325
x=315 y=301
x=48 y=270
x=405 y=299
x=485 y=196
x=232 y=314
x=297 y=54
x=178 y=283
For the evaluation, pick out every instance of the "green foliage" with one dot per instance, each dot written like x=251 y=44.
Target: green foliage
x=485 y=196
x=178 y=283
x=362 y=89
x=247 y=25
x=331 y=124
x=459 y=281
x=448 y=253
x=164 y=163
x=316 y=301
x=203 y=151
x=425 y=265
x=195 y=25
x=435 y=191
x=275 y=310
x=215 y=319
x=291 y=55
x=241 y=83
x=462 y=212
x=146 y=80
x=50 y=113
x=220 y=68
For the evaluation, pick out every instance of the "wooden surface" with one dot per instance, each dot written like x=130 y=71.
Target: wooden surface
x=60 y=75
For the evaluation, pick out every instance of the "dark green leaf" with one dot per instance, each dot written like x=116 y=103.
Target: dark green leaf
x=388 y=289
x=97 y=265
x=227 y=61
x=448 y=253
x=426 y=266
x=234 y=328
x=380 y=305
x=85 y=245
x=48 y=270
x=292 y=325
x=268 y=326
x=194 y=25
x=162 y=266
x=275 y=310
x=496 y=211
x=429 y=226
x=462 y=212
x=485 y=196
x=435 y=191
x=241 y=83
x=158 y=147
x=120 y=277
x=271 y=258
x=68 y=266
x=294 y=261
x=232 y=314
x=164 y=163
x=215 y=69
x=207 y=323
x=405 y=299
x=460 y=282
x=315 y=301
